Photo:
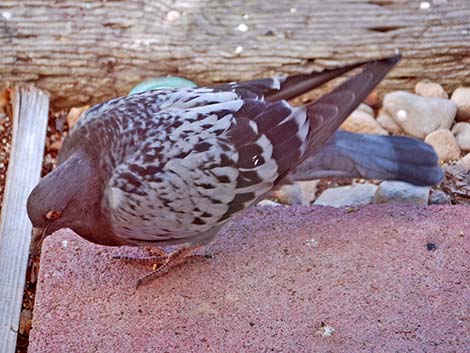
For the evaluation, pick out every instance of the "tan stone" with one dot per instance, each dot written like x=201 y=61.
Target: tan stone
x=430 y=89
x=74 y=114
x=401 y=192
x=299 y=193
x=349 y=195
x=464 y=162
x=461 y=97
x=388 y=123
x=462 y=134
x=361 y=122
x=372 y=99
x=445 y=144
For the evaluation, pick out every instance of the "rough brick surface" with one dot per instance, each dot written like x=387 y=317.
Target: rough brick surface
x=386 y=278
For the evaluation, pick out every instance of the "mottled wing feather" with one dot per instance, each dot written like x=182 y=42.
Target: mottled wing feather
x=254 y=89
x=213 y=156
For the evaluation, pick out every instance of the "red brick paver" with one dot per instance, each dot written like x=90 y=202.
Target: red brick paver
x=385 y=278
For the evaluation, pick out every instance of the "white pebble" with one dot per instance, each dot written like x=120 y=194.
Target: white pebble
x=172 y=15
x=424 y=5
x=7 y=15
x=242 y=27
x=361 y=122
x=238 y=50
x=312 y=243
x=327 y=330
x=268 y=203
x=65 y=243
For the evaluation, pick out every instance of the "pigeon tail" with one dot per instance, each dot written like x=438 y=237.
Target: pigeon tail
x=352 y=155
x=328 y=112
x=295 y=85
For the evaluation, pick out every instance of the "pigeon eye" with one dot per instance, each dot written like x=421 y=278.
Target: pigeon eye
x=53 y=215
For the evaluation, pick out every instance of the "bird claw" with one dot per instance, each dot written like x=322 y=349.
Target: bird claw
x=142 y=260
x=162 y=262
x=173 y=259
x=156 y=255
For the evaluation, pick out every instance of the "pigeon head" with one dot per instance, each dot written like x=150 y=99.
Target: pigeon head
x=66 y=197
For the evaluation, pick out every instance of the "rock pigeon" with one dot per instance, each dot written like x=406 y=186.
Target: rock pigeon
x=171 y=166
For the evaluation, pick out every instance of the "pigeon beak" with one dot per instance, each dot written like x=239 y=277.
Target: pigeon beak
x=36 y=242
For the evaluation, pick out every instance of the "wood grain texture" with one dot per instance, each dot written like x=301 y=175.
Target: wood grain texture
x=30 y=114
x=88 y=51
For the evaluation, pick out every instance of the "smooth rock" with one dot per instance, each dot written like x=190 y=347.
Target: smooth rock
x=350 y=195
x=439 y=197
x=299 y=193
x=269 y=203
x=372 y=99
x=26 y=317
x=401 y=192
x=430 y=89
x=464 y=162
x=74 y=114
x=361 y=122
x=461 y=98
x=308 y=189
x=445 y=144
x=388 y=123
x=419 y=116
x=462 y=135
x=366 y=109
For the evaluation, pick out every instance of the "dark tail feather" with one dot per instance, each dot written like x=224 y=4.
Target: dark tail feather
x=373 y=157
x=296 y=85
x=328 y=112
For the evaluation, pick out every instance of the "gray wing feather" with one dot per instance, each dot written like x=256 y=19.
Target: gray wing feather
x=212 y=155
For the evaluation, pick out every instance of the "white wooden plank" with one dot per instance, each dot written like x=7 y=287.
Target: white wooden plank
x=30 y=114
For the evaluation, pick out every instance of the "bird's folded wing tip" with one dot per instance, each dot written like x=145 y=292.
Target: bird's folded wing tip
x=396 y=57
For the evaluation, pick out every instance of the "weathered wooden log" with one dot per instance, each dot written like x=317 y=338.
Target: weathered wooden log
x=88 y=51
